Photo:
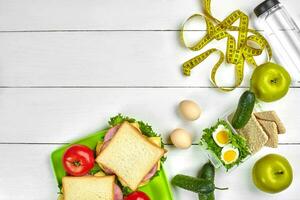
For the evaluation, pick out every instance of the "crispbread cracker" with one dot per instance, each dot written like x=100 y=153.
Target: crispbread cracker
x=253 y=133
x=271 y=116
x=270 y=129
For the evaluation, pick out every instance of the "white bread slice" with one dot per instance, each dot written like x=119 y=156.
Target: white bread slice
x=130 y=155
x=271 y=130
x=273 y=117
x=88 y=187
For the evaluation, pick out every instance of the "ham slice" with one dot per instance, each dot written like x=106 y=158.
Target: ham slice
x=150 y=174
x=118 y=195
x=104 y=145
x=108 y=136
x=108 y=171
x=111 y=132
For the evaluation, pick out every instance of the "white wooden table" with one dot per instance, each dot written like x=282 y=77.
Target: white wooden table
x=67 y=66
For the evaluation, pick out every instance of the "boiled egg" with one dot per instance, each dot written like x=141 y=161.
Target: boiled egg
x=221 y=136
x=229 y=154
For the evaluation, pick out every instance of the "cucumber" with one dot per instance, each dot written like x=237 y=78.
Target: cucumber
x=207 y=172
x=198 y=185
x=209 y=196
x=244 y=110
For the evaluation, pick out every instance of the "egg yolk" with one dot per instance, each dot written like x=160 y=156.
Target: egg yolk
x=222 y=137
x=229 y=155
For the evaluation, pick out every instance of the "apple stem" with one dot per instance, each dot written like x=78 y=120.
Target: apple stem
x=221 y=188
x=279 y=172
x=274 y=81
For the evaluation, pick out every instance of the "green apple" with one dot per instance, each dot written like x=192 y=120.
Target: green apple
x=272 y=173
x=270 y=82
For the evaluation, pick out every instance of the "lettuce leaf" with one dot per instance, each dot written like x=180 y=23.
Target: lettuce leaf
x=126 y=190
x=145 y=128
x=95 y=169
x=119 y=119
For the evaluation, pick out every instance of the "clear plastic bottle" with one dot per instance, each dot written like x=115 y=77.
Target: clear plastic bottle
x=283 y=35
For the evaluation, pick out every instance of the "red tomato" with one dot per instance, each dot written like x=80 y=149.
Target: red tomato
x=78 y=160
x=138 y=195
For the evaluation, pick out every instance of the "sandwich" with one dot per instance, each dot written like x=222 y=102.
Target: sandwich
x=88 y=187
x=131 y=151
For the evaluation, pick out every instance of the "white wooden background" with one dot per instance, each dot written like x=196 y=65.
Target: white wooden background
x=67 y=66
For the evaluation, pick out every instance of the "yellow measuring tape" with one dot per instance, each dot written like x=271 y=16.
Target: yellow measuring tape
x=236 y=53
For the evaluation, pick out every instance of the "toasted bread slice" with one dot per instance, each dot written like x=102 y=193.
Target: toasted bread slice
x=130 y=155
x=271 y=130
x=254 y=134
x=88 y=187
x=273 y=117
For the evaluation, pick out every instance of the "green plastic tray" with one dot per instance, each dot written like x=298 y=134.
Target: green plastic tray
x=157 y=189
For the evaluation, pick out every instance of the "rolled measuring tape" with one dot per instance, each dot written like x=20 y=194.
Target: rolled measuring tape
x=237 y=52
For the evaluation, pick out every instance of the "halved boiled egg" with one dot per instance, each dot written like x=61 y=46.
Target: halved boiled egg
x=221 y=136
x=229 y=154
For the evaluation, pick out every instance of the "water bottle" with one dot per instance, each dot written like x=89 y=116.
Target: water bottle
x=283 y=35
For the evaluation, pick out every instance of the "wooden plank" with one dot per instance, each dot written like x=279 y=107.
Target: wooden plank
x=60 y=115
x=89 y=59
x=144 y=59
x=27 y=173
x=112 y=15
x=26 y=169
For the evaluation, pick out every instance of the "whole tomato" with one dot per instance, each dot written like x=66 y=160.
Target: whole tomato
x=138 y=195
x=78 y=160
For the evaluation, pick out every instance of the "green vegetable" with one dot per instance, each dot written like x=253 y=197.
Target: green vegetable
x=236 y=140
x=116 y=120
x=126 y=190
x=208 y=196
x=244 y=110
x=198 y=185
x=95 y=169
x=145 y=128
x=207 y=172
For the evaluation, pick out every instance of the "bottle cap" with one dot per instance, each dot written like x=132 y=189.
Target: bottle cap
x=265 y=6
